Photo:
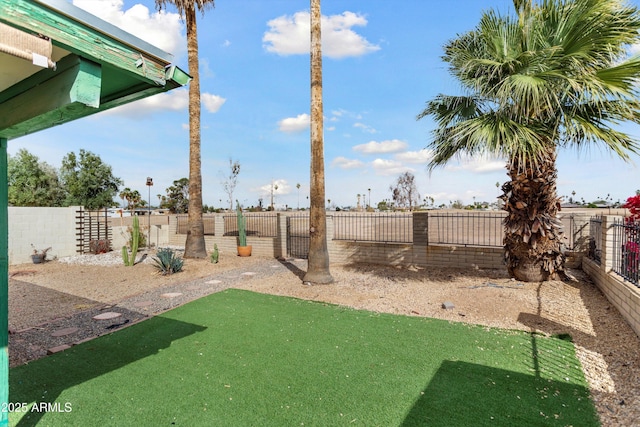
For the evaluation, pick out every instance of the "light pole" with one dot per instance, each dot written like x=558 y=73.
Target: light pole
x=149 y=184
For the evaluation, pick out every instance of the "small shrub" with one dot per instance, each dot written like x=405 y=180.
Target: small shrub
x=167 y=262
x=99 y=246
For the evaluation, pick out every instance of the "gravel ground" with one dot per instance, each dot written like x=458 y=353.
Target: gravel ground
x=62 y=297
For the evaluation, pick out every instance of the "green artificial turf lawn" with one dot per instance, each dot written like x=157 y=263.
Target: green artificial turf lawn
x=239 y=358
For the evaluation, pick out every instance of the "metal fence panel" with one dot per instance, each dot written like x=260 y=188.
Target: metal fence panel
x=298 y=236
x=209 y=222
x=626 y=250
x=595 y=239
x=374 y=227
x=466 y=229
x=258 y=224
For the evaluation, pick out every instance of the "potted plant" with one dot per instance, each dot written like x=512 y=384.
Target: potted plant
x=243 y=248
x=39 y=255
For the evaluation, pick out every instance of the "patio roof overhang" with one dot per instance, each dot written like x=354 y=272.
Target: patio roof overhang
x=59 y=63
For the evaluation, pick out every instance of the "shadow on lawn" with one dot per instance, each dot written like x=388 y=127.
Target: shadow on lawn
x=44 y=380
x=467 y=394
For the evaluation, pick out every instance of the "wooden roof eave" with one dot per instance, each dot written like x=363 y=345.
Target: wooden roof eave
x=102 y=70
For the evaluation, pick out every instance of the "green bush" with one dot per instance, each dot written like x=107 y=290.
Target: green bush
x=167 y=262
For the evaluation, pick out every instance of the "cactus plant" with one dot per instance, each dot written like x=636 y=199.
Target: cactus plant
x=135 y=241
x=242 y=226
x=215 y=254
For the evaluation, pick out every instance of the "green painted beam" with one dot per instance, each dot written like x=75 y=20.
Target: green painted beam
x=4 y=286
x=76 y=81
x=86 y=41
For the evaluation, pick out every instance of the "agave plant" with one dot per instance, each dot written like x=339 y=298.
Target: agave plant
x=167 y=262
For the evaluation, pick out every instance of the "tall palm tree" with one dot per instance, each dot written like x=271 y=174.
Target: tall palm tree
x=318 y=266
x=555 y=74
x=195 y=244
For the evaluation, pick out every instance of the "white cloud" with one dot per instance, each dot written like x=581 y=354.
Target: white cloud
x=295 y=124
x=344 y=163
x=279 y=187
x=388 y=146
x=212 y=103
x=389 y=167
x=161 y=29
x=290 y=35
x=174 y=100
x=365 y=128
x=416 y=157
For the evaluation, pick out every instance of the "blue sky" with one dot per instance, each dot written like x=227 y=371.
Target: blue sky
x=381 y=64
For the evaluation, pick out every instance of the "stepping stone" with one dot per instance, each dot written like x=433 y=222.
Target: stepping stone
x=214 y=282
x=193 y=288
x=447 y=305
x=143 y=304
x=58 y=349
x=248 y=274
x=65 y=331
x=108 y=315
x=171 y=294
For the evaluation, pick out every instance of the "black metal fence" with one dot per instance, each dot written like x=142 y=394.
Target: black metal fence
x=209 y=221
x=298 y=236
x=595 y=239
x=374 y=227
x=258 y=224
x=466 y=229
x=448 y=228
x=626 y=250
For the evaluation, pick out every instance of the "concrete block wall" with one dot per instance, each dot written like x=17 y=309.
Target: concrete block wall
x=623 y=295
x=42 y=227
x=464 y=257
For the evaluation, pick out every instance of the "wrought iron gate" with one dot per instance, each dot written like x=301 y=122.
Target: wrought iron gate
x=298 y=236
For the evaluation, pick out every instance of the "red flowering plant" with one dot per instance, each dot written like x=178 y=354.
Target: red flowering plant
x=631 y=248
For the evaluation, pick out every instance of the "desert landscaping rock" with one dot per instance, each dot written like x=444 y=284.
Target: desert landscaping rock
x=448 y=305
x=143 y=304
x=107 y=315
x=171 y=295
x=64 y=331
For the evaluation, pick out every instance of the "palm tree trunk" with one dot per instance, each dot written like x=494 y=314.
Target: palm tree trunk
x=318 y=267
x=534 y=236
x=195 y=244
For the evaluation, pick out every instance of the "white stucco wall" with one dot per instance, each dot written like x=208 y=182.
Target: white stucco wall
x=42 y=227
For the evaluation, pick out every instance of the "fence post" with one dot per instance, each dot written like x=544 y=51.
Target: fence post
x=420 y=237
x=606 y=256
x=280 y=246
x=218 y=229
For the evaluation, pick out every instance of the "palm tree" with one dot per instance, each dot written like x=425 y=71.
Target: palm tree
x=556 y=74
x=318 y=265
x=195 y=244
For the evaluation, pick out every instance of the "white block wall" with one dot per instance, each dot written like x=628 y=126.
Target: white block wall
x=42 y=227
